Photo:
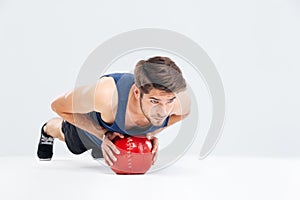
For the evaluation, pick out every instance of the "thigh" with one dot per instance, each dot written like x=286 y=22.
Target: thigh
x=78 y=140
x=72 y=139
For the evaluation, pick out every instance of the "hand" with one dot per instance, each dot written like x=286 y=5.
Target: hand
x=154 y=141
x=108 y=147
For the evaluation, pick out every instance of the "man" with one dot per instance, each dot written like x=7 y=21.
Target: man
x=118 y=104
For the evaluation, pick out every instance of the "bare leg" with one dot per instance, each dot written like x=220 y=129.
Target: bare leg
x=53 y=128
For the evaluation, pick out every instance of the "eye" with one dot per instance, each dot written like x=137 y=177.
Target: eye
x=171 y=101
x=154 y=101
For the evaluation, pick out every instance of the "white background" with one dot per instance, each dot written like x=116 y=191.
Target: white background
x=254 y=45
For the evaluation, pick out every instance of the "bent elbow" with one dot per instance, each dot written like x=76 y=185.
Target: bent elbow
x=54 y=106
x=57 y=105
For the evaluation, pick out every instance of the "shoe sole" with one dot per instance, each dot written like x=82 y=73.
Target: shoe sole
x=45 y=159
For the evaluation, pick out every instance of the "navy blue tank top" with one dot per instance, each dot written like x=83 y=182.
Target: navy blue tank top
x=123 y=82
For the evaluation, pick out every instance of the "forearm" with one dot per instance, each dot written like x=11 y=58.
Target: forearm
x=76 y=115
x=172 y=120
x=83 y=121
x=176 y=118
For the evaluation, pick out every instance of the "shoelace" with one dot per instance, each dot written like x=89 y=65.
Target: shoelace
x=47 y=140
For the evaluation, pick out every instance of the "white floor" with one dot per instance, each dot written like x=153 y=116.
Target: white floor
x=219 y=178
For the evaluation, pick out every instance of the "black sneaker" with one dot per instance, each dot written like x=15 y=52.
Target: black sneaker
x=45 y=148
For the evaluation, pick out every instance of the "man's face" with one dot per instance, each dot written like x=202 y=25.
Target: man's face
x=157 y=105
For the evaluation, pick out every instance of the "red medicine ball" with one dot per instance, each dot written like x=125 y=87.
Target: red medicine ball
x=135 y=155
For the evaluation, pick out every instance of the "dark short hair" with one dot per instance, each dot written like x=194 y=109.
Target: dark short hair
x=160 y=73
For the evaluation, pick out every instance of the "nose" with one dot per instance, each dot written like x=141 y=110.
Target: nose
x=162 y=112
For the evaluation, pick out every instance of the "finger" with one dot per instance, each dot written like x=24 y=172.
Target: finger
x=155 y=145
x=154 y=158
x=106 y=158
x=119 y=134
x=113 y=147
x=149 y=136
x=114 y=135
x=110 y=154
x=107 y=163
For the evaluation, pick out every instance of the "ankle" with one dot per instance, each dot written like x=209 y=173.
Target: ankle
x=45 y=128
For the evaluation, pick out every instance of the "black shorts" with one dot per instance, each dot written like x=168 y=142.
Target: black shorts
x=77 y=142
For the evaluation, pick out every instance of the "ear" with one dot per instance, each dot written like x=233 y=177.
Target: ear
x=136 y=91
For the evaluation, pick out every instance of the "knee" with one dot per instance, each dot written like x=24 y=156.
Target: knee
x=53 y=124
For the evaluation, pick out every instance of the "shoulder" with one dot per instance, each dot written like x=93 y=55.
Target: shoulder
x=182 y=103
x=105 y=94
x=105 y=84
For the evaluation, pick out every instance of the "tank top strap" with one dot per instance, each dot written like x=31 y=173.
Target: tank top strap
x=123 y=84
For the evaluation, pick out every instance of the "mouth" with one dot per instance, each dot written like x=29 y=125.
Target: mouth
x=158 y=118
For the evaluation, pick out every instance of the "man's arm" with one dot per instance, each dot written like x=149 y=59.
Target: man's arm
x=74 y=105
